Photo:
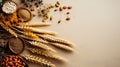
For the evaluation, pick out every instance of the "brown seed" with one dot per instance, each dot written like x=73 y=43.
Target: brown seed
x=68 y=18
x=51 y=6
x=56 y=5
x=43 y=20
x=64 y=7
x=51 y=18
x=34 y=15
x=60 y=9
x=58 y=2
x=59 y=21
x=69 y=7
x=55 y=10
x=68 y=13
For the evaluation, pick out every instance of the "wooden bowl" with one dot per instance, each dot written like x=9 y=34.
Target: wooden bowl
x=7 y=9
x=16 y=45
x=23 y=12
x=2 y=64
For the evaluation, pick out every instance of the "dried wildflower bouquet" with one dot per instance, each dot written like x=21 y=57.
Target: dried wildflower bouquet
x=26 y=36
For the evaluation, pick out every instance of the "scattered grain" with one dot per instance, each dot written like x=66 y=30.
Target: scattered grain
x=51 y=18
x=58 y=2
x=68 y=18
x=68 y=13
x=55 y=10
x=59 y=21
x=69 y=7
x=60 y=9
x=64 y=7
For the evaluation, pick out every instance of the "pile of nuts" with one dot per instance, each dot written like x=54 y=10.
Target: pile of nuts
x=13 y=61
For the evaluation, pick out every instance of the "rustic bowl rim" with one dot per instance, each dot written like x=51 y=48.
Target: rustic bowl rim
x=13 y=50
x=15 y=55
x=10 y=1
x=27 y=10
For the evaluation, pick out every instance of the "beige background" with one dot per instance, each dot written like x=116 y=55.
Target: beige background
x=95 y=29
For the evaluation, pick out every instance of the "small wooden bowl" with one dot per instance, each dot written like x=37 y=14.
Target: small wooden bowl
x=13 y=45
x=23 y=16
x=5 y=11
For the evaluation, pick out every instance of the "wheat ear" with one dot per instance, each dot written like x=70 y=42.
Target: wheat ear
x=34 y=24
x=41 y=45
x=35 y=30
x=33 y=39
x=46 y=53
x=56 y=40
x=9 y=30
x=67 y=48
x=38 y=60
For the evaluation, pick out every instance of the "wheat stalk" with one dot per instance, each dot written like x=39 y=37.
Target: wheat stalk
x=38 y=60
x=62 y=46
x=35 y=30
x=56 y=40
x=46 y=53
x=34 y=24
x=33 y=39
x=9 y=30
x=41 y=45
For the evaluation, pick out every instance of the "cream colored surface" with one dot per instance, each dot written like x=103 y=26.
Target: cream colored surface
x=95 y=28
